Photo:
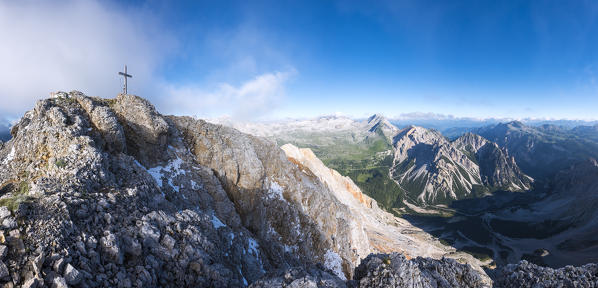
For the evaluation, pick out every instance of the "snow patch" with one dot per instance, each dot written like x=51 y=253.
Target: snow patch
x=291 y=249
x=253 y=246
x=216 y=222
x=334 y=262
x=174 y=167
x=242 y=276
x=10 y=156
x=194 y=185
x=275 y=191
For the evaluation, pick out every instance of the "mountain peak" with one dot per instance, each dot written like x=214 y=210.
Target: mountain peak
x=376 y=117
x=420 y=131
x=472 y=139
x=515 y=124
x=379 y=123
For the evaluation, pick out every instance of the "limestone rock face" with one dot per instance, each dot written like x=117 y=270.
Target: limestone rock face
x=373 y=230
x=301 y=277
x=342 y=186
x=525 y=274
x=394 y=270
x=146 y=129
x=135 y=198
x=497 y=168
x=290 y=209
x=104 y=119
x=379 y=123
x=430 y=169
x=434 y=170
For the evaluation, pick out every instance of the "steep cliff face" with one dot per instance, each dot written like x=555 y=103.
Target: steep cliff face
x=497 y=168
x=343 y=187
x=379 y=231
x=288 y=208
x=541 y=152
x=432 y=170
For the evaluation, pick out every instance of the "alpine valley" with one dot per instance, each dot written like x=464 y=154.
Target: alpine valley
x=108 y=192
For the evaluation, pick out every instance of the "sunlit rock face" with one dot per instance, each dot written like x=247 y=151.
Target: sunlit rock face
x=433 y=170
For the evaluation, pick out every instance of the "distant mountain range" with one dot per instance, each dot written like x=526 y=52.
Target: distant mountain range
x=543 y=151
x=452 y=127
x=433 y=170
x=513 y=183
x=399 y=167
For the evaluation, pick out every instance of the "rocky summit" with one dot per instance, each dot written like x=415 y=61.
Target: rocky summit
x=433 y=170
x=110 y=193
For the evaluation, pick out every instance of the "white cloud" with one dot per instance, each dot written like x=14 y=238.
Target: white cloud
x=248 y=100
x=81 y=45
x=73 y=45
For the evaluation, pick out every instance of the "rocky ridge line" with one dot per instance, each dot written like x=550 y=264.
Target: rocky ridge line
x=433 y=170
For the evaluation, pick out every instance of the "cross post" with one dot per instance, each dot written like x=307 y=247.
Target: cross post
x=125 y=75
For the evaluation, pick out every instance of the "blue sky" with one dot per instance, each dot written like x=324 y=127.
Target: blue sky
x=274 y=59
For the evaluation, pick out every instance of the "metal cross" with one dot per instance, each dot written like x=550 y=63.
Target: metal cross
x=125 y=75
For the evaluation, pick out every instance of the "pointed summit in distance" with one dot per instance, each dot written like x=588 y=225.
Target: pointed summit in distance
x=377 y=123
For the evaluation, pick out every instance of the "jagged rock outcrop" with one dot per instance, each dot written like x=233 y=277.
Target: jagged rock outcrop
x=104 y=120
x=433 y=170
x=86 y=214
x=373 y=229
x=146 y=129
x=291 y=210
x=342 y=186
x=497 y=168
x=430 y=169
x=525 y=274
x=394 y=270
x=382 y=270
x=301 y=277
x=379 y=124
x=541 y=152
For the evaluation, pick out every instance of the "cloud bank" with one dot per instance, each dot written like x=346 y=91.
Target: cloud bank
x=81 y=45
x=249 y=100
x=72 y=45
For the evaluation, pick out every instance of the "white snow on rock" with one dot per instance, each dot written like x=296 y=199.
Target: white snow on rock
x=334 y=262
x=253 y=246
x=10 y=156
x=253 y=249
x=275 y=190
x=174 y=169
x=194 y=185
x=216 y=222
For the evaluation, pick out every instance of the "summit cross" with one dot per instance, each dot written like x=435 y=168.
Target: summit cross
x=125 y=75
